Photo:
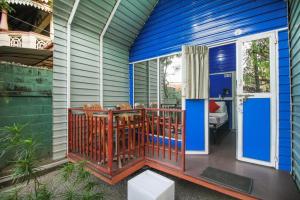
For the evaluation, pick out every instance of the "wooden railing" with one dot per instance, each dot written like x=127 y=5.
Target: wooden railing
x=114 y=140
x=165 y=136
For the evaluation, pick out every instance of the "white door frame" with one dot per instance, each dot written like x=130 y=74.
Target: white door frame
x=272 y=95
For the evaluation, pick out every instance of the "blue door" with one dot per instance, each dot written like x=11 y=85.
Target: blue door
x=256 y=99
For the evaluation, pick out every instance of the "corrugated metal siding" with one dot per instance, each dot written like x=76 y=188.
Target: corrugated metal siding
x=115 y=73
x=141 y=89
x=153 y=81
x=131 y=83
x=222 y=58
x=127 y=22
x=284 y=103
x=88 y=23
x=294 y=30
x=174 y=23
x=145 y=82
x=61 y=12
x=161 y=83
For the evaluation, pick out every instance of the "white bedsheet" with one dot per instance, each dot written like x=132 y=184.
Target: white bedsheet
x=218 y=118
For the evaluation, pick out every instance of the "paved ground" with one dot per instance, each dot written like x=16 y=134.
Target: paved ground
x=183 y=189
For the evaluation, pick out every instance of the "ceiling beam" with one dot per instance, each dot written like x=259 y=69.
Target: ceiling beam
x=44 y=23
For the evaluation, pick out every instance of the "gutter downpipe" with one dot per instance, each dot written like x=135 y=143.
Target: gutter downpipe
x=101 y=49
x=70 y=20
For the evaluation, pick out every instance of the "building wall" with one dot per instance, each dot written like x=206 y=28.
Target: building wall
x=294 y=35
x=26 y=98
x=284 y=102
x=61 y=12
x=87 y=25
x=153 y=95
x=141 y=83
x=174 y=23
x=127 y=22
x=89 y=20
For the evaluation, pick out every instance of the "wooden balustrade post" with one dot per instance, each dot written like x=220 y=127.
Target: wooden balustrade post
x=70 y=130
x=183 y=140
x=110 y=141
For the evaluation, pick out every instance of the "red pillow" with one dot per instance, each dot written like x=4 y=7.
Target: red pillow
x=213 y=106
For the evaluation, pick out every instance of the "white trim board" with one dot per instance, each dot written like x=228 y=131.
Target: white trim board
x=191 y=152
x=101 y=50
x=70 y=20
x=218 y=73
x=69 y=23
x=206 y=126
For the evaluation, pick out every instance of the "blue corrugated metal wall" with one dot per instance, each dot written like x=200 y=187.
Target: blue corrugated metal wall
x=195 y=127
x=131 y=86
x=284 y=103
x=222 y=58
x=174 y=23
x=294 y=31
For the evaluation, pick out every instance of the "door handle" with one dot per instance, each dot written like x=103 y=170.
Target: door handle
x=244 y=97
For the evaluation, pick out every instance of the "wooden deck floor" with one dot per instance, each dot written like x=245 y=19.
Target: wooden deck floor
x=268 y=183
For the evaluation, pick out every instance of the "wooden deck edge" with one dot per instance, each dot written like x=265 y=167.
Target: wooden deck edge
x=200 y=181
x=92 y=171
x=127 y=172
x=130 y=169
x=174 y=172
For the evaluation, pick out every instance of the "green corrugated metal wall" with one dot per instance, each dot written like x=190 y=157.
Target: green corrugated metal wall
x=61 y=12
x=88 y=23
x=89 y=20
x=145 y=82
x=26 y=98
x=153 y=81
x=294 y=31
x=141 y=88
x=126 y=24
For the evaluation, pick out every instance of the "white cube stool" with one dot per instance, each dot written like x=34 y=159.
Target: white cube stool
x=149 y=186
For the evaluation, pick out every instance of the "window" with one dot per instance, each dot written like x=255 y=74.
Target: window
x=170 y=81
x=145 y=83
x=256 y=61
x=169 y=78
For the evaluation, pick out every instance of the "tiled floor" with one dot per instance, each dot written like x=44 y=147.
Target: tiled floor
x=268 y=182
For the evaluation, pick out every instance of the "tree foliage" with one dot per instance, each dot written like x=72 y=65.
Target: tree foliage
x=168 y=91
x=4 y=5
x=257 y=66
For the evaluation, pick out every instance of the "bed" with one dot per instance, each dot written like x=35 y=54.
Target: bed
x=218 y=119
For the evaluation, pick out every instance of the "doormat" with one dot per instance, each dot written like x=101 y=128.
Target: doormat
x=227 y=179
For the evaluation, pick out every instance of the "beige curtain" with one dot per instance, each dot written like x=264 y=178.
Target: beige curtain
x=195 y=63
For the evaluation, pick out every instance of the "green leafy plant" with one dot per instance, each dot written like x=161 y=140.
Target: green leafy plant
x=23 y=150
x=10 y=137
x=4 y=5
x=81 y=186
